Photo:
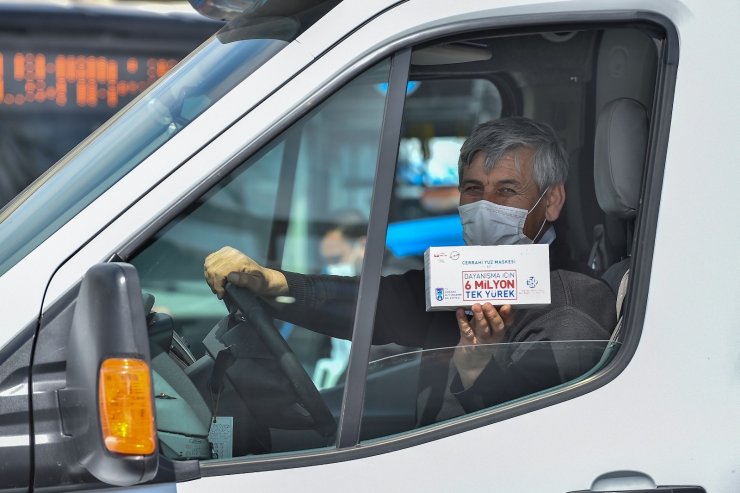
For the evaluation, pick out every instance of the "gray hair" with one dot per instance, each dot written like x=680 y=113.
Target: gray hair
x=497 y=137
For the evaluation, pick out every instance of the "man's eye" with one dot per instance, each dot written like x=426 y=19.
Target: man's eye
x=471 y=189
x=507 y=191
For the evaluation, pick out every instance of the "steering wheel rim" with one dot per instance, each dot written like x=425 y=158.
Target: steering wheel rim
x=252 y=309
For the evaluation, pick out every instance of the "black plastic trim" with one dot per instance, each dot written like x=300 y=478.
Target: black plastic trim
x=51 y=359
x=660 y=489
x=108 y=321
x=19 y=340
x=15 y=365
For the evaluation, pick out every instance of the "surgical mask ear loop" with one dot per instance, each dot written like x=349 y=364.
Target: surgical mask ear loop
x=533 y=208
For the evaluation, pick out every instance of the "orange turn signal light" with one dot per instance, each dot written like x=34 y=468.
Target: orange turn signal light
x=126 y=410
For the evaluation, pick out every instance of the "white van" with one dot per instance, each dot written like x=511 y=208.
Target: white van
x=119 y=369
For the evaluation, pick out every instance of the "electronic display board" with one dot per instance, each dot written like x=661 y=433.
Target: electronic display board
x=80 y=80
x=65 y=70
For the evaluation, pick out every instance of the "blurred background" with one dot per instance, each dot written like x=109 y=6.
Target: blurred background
x=67 y=66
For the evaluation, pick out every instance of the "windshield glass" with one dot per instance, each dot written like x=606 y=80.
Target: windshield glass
x=138 y=130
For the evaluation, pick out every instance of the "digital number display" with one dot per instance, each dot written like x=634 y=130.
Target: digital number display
x=33 y=79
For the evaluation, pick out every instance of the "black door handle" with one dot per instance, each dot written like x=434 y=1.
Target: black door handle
x=659 y=489
x=634 y=482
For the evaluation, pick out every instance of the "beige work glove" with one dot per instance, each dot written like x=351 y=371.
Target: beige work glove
x=229 y=264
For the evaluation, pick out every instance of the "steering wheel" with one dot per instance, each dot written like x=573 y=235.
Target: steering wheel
x=243 y=301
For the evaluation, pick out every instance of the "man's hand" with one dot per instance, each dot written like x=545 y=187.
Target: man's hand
x=230 y=264
x=486 y=326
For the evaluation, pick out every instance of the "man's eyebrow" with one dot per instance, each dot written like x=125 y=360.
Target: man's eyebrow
x=471 y=180
x=509 y=181
x=512 y=182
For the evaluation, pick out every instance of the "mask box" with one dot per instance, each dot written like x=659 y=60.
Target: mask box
x=461 y=276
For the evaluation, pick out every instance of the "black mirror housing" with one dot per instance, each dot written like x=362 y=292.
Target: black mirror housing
x=109 y=321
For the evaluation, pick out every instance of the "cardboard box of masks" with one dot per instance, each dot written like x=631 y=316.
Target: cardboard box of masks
x=508 y=274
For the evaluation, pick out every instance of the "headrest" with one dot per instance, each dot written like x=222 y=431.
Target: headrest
x=619 y=156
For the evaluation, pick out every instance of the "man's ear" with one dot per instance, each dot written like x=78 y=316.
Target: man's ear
x=554 y=200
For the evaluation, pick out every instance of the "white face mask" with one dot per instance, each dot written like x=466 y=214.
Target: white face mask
x=486 y=223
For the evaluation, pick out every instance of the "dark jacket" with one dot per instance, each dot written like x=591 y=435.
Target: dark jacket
x=582 y=308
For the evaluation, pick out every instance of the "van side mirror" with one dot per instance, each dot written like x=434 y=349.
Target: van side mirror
x=107 y=406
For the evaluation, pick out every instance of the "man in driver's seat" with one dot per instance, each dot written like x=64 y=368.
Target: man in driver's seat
x=512 y=174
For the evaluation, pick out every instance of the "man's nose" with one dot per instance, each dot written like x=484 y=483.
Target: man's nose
x=490 y=197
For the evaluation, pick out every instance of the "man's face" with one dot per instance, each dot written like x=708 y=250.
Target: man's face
x=335 y=248
x=511 y=183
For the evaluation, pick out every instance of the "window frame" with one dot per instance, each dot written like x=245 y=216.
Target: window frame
x=348 y=446
x=350 y=420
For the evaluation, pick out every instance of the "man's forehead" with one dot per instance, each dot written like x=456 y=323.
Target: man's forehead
x=333 y=246
x=334 y=237
x=516 y=165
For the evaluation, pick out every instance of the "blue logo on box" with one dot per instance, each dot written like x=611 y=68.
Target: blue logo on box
x=532 y=282
x=440 y=292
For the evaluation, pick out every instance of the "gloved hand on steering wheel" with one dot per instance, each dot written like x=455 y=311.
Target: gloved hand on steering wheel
x=229 y=264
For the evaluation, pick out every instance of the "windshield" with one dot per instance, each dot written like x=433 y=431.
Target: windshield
x=137 y=131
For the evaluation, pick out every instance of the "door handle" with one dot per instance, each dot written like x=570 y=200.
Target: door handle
x=634 y=482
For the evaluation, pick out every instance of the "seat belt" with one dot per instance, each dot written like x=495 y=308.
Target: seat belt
x=621 y=294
